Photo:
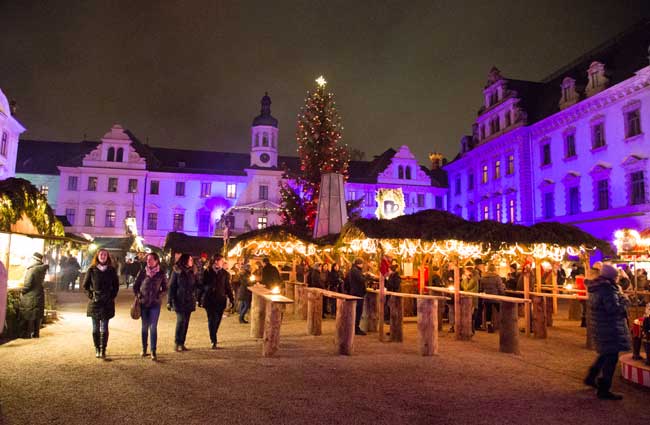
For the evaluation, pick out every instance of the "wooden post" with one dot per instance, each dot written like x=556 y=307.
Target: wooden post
x=272 y=323
x=396 y=307
x=575 y=310
x=427 y=326
x=344 y=336
x=290 y=292
x=526 y=305
x=457 y=312
x=371 y=311
x=380 y=304
x=314 y=311
x=464 y=323
x=539 y=317
x=508 y=331
x=421 y=282
x=440 y=311
x=549 y=310
x=300 y=311
x=257 y=315
x=538 y=275
x=555 y=289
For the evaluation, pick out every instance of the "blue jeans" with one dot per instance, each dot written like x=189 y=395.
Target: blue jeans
x=100 y=326
x=150 y=317
x=182 y=322
x=244 y=305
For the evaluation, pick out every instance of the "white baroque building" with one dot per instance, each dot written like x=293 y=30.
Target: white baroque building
x=96 y=185
x=10 y=131
x=572 y=148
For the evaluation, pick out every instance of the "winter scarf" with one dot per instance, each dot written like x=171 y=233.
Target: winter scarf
x=151 y=271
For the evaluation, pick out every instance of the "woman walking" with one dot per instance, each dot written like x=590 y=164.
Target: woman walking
x=101 y=284
x=182 y=299
x=213 y=295
x=243 y=294
x=150 y=286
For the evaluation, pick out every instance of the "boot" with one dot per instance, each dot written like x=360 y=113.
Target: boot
x=490 y=328
x=604 y=393
x=636 y=348
x=590 y=380
x=96 y=342
x=104 y=343
x=143 y=353
x=154 y=357
x=646 y=345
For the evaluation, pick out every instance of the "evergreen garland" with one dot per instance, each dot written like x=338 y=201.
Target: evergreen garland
x=18 y=197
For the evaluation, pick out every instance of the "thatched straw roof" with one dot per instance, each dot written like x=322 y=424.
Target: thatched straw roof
x=434 y=225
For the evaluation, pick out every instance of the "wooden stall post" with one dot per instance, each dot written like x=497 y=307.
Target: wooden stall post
x=464 y=323
x=538 y=275
x=396 y=318
x=575 y=310
x=549 y=305
x=314 y=311
x=508 y=331
x=344 y=336
x=272 y=323
x=300 y=308
x=441 y=311
x=526 y=305
x=555 y=288
x=290 y=292
x=257 y=315
x=539 y=317
x=457 y=312
x=427 y=326
x=381 y=300
x=371 y=301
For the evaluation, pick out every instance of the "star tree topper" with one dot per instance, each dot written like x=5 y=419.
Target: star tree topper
x=321 y=81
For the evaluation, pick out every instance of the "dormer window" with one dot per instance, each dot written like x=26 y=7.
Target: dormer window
x=400 y=172
x=120 y=155
x=494 y=98
x=508 y=119
x=408 y=173
x=3 y=145
x=495 y=125
x=569 y=95
x=110 y=157
x=597 y=79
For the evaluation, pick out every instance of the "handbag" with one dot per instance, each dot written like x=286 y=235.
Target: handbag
x=135 y=309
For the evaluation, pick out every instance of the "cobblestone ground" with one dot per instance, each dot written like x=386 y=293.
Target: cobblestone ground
x=57 y=380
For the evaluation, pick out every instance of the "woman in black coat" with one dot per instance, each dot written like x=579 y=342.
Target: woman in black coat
x=243 y=294
x=181 y=298
x=214 y=293
x=32 y=300
x=101 y=285
x=149 y=288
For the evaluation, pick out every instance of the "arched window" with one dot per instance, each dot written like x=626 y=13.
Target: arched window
x=111 y=155
x=120 y=155
x=408 y=173
x=400 y=172
x=3 y=145
x=265 y=140
x=257 y=139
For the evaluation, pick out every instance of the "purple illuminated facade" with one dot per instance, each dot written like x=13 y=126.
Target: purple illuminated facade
x=96 y=185
x=573 y=148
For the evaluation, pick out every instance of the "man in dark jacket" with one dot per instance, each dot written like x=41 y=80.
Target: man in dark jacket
x=492 y=284
x=357 y=282
x=214 y=292
x=270 y=274
x=32 y=301
x=608 y=322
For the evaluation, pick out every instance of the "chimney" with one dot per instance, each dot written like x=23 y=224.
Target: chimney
x=436 y=160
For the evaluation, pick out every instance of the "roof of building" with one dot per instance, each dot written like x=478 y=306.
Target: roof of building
x=265 y=117
x=43 y=157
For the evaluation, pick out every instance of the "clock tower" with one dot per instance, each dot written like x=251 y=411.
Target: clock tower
x=264 y=137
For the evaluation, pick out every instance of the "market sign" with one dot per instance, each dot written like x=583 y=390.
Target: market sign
x=390 y=203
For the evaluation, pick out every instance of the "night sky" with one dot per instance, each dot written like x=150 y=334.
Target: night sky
x=191 y=74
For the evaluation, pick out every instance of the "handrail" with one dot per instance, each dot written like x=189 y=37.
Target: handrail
x=547 y=295
x=406 y=295
x=480 y=295
x=334 y=294
x=268 y=295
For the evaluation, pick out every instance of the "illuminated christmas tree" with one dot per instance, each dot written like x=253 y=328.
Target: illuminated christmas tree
x=319 y=149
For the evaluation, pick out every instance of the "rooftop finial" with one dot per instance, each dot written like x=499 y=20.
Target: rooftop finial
x=266 y=104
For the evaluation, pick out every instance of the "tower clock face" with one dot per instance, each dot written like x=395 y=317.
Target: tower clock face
x=265 y=158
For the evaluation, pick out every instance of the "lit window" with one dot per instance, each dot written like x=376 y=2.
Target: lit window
x=206 y=190
x=152 y=221
x=154 y=187
x=231 y=190
x=497 y=212
x=112 y=184
x=70 y=214
x=262 y=222
x=90 y=217
x=484 y=177
x=486 y=212
x=92 y=184
x=177 y=225
x=133 y=185
x=497 y=169
x=511 y=211
x=510 y=169
x=110 y=218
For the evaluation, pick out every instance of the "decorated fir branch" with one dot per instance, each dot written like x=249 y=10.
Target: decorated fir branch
x=18 y=199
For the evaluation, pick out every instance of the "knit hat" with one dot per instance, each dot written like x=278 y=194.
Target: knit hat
x=609 y=272
x=37 y=256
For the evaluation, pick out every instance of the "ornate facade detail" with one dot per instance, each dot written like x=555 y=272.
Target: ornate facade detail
x=597 y=79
